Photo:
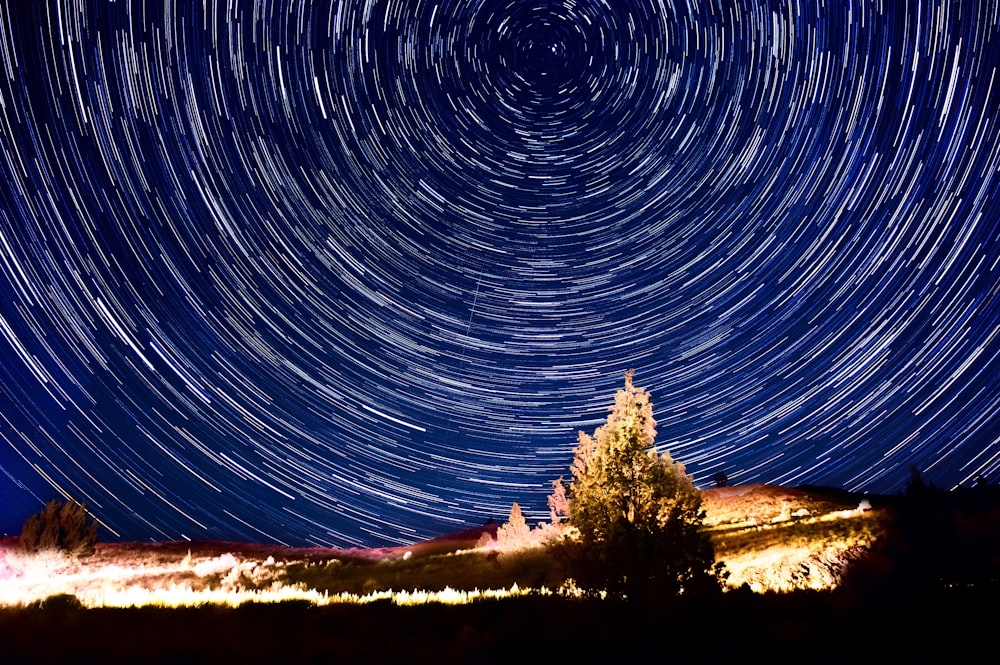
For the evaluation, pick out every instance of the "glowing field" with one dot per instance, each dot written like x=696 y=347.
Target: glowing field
x=222 y=580
x=770 y=538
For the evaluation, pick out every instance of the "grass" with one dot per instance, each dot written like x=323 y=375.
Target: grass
x=464 y=570
x=947 y=626
x=865 y=620
x=751 y=528
x=859 y=530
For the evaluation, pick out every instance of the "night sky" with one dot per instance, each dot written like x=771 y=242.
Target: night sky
x=355 y=273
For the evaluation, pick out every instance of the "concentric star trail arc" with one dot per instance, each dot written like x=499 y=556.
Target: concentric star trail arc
x=356 y=273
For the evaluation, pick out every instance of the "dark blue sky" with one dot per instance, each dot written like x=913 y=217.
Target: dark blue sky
x=356 y=273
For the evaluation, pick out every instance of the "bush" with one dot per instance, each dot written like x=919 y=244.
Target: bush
x=60 y=526
x=60 y=602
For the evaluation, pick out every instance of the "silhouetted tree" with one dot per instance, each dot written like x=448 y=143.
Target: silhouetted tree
x=720 y=478
x=915 y=486
x=637 y=513
x=60 y=526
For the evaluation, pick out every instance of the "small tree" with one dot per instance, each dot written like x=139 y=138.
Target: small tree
x=558 y=502
x=637 y=513
x=60 y=526
x=515 y=534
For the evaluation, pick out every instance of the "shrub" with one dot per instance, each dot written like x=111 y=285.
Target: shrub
x=60 y=526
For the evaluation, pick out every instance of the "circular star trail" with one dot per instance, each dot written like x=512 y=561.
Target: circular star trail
x=356 y=273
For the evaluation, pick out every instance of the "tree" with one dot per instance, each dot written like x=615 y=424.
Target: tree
x=558 y=502
x=515 y=534
x=636 y=513
x=60 y=526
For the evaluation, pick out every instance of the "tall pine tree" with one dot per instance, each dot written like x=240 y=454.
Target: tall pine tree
x=637 y=512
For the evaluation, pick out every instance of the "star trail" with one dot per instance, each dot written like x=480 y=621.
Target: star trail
x=355 y=273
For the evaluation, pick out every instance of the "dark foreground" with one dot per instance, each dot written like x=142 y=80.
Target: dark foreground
x=822 y=627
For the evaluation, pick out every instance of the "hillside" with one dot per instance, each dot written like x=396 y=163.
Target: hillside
x=774 y=538
x=770 y=538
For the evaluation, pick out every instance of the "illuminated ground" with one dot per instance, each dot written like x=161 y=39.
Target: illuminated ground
x=770 y=538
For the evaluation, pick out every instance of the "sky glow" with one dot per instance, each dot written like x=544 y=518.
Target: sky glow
x=355 y=273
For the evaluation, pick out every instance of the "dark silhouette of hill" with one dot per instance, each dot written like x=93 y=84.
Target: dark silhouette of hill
x=934 y=540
